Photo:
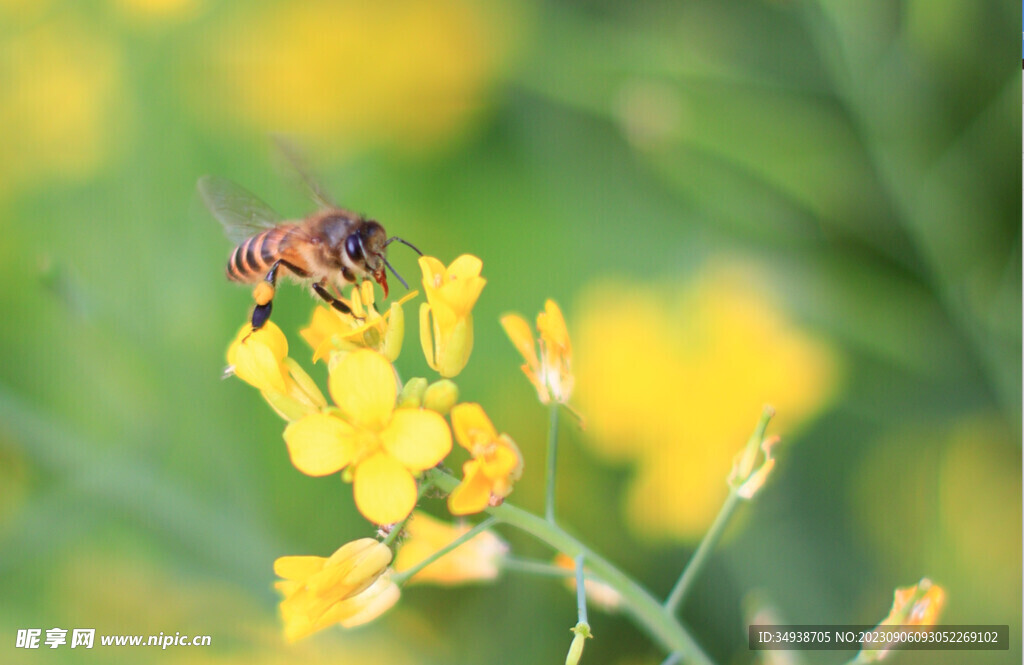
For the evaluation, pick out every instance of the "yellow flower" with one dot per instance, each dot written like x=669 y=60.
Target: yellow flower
x=599 y=594
x=364 y=328
x=383 y=446
x=918 y=605
x=261 y=359
x=446 y=319
x=496 y=464
x=475 y=560
x=551 y=372
x=350 y=587
x=346 y=74
x=665 y=375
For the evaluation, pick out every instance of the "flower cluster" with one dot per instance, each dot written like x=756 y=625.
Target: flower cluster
x=381 y=434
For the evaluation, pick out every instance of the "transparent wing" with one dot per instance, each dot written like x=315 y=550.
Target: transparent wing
x=240 y=211
x=295 y=160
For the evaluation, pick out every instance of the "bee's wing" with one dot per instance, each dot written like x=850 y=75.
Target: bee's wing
x=241 y=213
x=295 y=160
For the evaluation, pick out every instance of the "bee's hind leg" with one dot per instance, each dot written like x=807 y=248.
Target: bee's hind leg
x=263 y=294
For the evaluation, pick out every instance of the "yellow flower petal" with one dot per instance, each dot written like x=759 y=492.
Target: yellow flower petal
x=418 y=438
x=371 y=603
x=465 y=267
x=501 y=462
x=456 y=347
x=298 y=567
x=518 y=330
x=256 y=364
x=323 y=325
x=427 y=335
x=364 y=387
x=433 y=274
x=471 y=425
x=319 y=444
x=392 y=344
x=551 y=326
x=473 y=493
x=384 y=489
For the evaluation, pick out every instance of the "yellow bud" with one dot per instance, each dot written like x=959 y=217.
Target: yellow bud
x=412 y=393
x=441 y=396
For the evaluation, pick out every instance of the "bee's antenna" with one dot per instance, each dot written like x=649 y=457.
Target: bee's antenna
x=393 y=270
x=407 y=244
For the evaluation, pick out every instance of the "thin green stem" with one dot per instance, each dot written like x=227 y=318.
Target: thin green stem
x=581 y=591
x=540 y=568
x=549 y=504
x=645 y=610
x=405 y=575
x=696 y=562
x=714 y=534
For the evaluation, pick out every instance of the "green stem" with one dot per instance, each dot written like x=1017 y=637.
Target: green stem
x=711 y=539
x=581 y=591
x=646 y=611
x=549 y=504
x=517 y=565
x=405 y=575
x=714 y=534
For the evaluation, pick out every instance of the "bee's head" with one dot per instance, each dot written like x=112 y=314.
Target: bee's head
x=363 y=247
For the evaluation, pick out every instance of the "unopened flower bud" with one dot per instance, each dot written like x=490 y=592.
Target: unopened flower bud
x=441 y=396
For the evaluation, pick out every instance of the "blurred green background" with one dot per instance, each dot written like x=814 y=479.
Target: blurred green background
x=811 y=204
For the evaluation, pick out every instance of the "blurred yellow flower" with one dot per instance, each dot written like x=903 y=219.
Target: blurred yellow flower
x=383 y=446
x=446 y=319
x=671 y=380
x=350 y=587
x=551 y=372
x=364 y=328
x=261 y=359
x=473 y=561
x=918 y=605
x=407 y=74
x=497 y=463
x=61 y=103
x=599 y=594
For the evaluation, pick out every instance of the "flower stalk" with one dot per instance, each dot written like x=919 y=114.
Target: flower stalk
x=648 y=613
x=549 y=502
x=714 y=534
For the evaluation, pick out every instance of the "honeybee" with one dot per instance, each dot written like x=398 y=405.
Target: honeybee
x=329 y=249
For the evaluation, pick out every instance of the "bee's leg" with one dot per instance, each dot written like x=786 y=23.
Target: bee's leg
x=331 y=300
x=263 y=294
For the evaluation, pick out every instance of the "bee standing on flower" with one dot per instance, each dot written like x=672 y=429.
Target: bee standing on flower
x=329 y=249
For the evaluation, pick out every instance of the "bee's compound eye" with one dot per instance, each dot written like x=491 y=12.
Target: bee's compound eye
x=353 y=247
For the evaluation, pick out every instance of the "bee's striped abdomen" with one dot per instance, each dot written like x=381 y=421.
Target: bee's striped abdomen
x=251 y=260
